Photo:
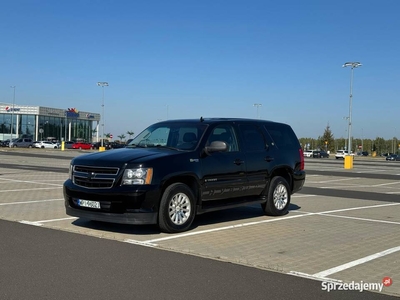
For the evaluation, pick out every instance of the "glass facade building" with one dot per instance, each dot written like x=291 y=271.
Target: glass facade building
x=45 y=123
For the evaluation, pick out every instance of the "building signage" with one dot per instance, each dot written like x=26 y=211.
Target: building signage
x=72 y=113
x=89 y=116
x=10 y=109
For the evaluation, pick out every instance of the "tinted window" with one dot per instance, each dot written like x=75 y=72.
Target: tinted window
x=224 y=133
x=282 y=135
x=253 y=138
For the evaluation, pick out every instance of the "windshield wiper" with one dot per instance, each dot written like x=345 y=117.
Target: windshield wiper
x=166 y=147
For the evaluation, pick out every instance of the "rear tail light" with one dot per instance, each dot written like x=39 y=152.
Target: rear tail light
x=301 y=159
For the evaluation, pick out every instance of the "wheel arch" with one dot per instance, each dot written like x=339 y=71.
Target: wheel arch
x=286 y=173
x=190 y=180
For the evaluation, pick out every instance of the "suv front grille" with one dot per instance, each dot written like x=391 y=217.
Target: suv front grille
x=94 y=177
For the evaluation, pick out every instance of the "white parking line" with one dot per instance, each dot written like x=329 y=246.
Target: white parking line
x=170 y=237
x=36 y=189
x=351 y=208
x=302 y=196
x=369 y=171
x=336 y=180
x=359 y=185
x=362 y=219
x=26 y=181
x=356 y=262
x=40 y=223
x=29 y=202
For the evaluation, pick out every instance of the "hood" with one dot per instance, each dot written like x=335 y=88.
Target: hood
x=124 y=155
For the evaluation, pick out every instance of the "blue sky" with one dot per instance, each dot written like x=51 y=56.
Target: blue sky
x=210 y=58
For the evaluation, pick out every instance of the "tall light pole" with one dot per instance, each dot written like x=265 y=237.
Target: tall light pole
x=352 y=65
x=102 y=84
x=345 y=132
x=258 y=106
x=12 y=115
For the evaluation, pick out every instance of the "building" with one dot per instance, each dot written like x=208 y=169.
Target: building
x=45 y=123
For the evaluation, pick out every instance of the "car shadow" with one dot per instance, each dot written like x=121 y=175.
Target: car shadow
x=220 y=217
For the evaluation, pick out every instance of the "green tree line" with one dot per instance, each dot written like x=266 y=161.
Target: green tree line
x=328 y=142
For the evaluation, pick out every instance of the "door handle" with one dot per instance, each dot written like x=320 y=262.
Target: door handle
x=269 y=158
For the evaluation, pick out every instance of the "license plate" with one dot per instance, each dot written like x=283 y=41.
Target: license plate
x=88 y=203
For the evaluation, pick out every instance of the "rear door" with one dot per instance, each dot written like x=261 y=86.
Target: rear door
x=260 y=155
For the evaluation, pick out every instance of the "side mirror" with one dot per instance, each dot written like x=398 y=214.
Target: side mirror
x=216 y=146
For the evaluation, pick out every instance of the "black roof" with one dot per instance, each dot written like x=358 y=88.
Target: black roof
x=216 y=120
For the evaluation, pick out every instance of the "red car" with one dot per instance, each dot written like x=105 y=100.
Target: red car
x=81 y=146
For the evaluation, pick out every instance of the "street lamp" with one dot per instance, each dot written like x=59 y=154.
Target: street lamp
x=352 y=65
x=102 y=84
x=258 y=106
x=12 y=115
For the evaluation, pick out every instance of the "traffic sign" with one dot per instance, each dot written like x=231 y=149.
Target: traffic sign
x=111 y=136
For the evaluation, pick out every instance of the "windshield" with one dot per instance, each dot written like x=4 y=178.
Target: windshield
x=179 y=136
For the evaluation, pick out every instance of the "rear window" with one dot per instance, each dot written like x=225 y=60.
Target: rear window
x=283 y=136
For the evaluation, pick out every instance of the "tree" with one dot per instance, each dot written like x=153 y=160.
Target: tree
x=327 y=141
x=130 y=133
x=121 y=136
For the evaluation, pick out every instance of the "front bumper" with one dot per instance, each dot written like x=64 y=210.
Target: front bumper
x=124 y=205
x=138 y=218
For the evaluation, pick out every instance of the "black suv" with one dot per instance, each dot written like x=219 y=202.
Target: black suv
x=176 y=169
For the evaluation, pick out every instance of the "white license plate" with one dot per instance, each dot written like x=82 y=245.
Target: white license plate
x=88 y=203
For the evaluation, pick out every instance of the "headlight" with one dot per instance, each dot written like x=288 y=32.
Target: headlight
x=137 y=176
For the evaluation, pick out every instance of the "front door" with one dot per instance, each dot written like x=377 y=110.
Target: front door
x=223 y=172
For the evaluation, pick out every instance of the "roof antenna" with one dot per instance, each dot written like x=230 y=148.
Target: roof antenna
x=201 y=119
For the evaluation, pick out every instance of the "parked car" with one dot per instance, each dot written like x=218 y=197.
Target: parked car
x=81 y=145
x=68 y=144
x=97 y=145
x=308 y=153
x=169 y=183
x=342 y=154
x=393 y=157
x=45 y=144
x=320 y=154
x=114 y=145
x=22 y=143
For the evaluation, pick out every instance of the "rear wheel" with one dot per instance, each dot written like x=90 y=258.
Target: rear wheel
x=278 y=197
x=177 y=208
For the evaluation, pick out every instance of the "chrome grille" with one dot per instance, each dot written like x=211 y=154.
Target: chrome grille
x=97 y=170
x=94 y=177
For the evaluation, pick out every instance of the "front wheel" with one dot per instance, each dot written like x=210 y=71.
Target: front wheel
x=177 y=208
x=278 y=197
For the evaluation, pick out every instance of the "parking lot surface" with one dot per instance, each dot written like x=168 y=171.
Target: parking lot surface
x=342 y=227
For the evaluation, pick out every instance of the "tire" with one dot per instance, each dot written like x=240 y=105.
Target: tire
x=278 y=200
x=177 y=208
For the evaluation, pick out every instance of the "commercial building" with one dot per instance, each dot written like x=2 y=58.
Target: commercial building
x=45 y=123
